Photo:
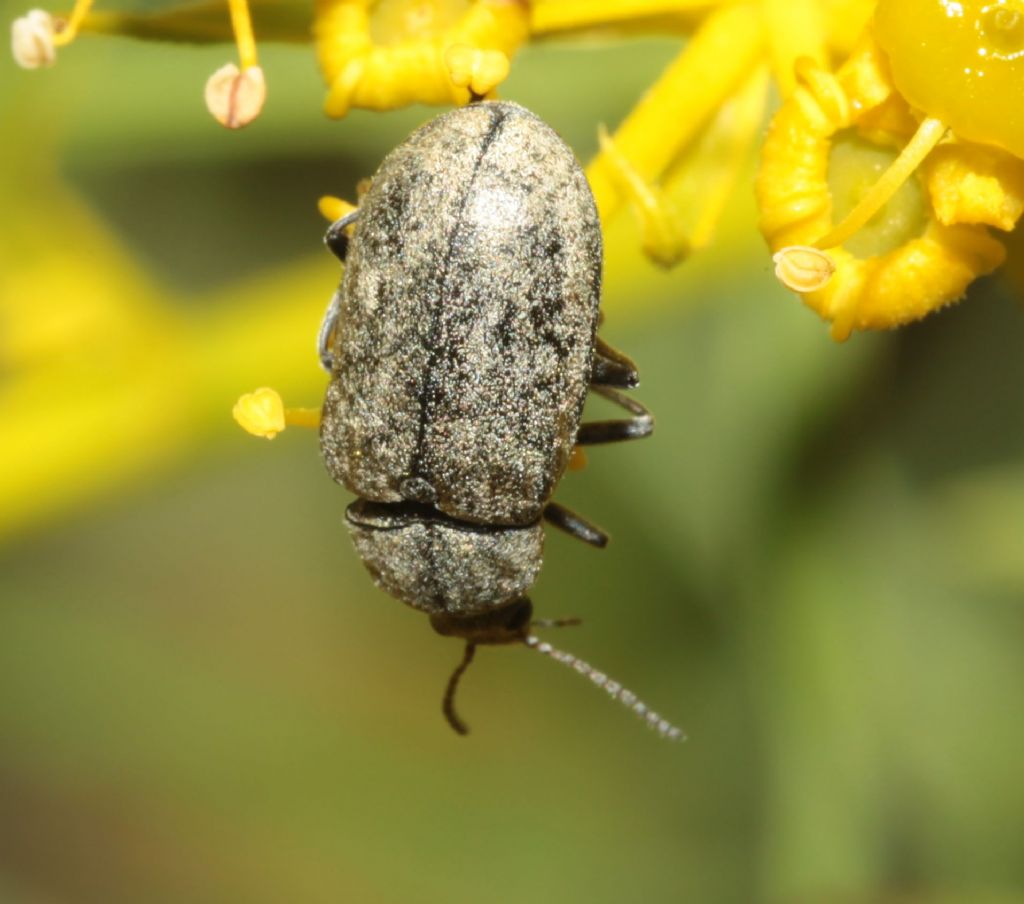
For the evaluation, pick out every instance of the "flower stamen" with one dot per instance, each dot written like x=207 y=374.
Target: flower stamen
x=802 y=268
x=893 y=273
x=333 y=209
x=262 y=413
x=913 y=154
x=663 y=239
x=236 y=96
x=66 y=30
x=241 y=25
x=715 y=62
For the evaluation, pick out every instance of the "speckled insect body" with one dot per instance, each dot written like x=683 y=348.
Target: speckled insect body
x=468 y=312
x=461 y=345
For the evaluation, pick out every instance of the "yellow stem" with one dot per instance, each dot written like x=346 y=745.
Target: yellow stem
x=67 y=34
x=710 y=172
x=717 y=60
x=795 y=30
x=626 y=175
x=928 y=134
x=564 y=15
x=241 y=24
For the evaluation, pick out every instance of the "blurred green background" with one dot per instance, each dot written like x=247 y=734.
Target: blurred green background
x=816 y=566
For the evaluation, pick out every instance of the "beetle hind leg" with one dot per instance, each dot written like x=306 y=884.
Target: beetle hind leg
x=574 y=525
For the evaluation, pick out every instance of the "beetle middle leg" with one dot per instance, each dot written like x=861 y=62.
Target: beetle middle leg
x=612 y=367
x=636 y=427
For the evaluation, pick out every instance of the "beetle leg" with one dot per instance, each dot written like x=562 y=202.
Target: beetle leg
x=325 y=336
x=337 y=238
x=612 y=367
x=636 y=427
x=575 y=525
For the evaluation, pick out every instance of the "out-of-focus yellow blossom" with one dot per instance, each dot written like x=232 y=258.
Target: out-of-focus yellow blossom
x=899 y=253
x=378 y=54
x=674 y=160
x=107 y=376
x=390 y=54
x=678 y=155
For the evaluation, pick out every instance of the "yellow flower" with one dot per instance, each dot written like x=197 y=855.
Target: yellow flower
x=678 y=155
x=407 y=52
x=378 y=55
x=902 y=249
x=675 y=159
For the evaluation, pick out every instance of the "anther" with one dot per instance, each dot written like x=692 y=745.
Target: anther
x=32 y=40
x=262 y=413
x=235 y=97
x=803 y=268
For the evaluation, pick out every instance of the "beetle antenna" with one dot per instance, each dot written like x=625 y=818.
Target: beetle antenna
x=570 y=622
x=448 y=704
x=615 y=690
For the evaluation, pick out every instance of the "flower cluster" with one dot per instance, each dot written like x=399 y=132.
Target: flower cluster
x=902 y=249
x=925 y=92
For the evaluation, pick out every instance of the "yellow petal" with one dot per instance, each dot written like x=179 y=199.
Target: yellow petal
x=970 y=183
x=717 y=60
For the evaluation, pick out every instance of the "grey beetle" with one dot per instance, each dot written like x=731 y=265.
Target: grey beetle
x=461 y=345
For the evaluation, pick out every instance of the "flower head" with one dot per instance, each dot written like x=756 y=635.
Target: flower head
x=409 y=51
x=898 y=253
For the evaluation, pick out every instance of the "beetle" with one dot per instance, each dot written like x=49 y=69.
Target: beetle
x=461 y=345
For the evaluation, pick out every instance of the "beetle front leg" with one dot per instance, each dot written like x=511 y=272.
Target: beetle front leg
x=636 y=427
x=325 y=336
x=336 y=239
x=338 y=234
